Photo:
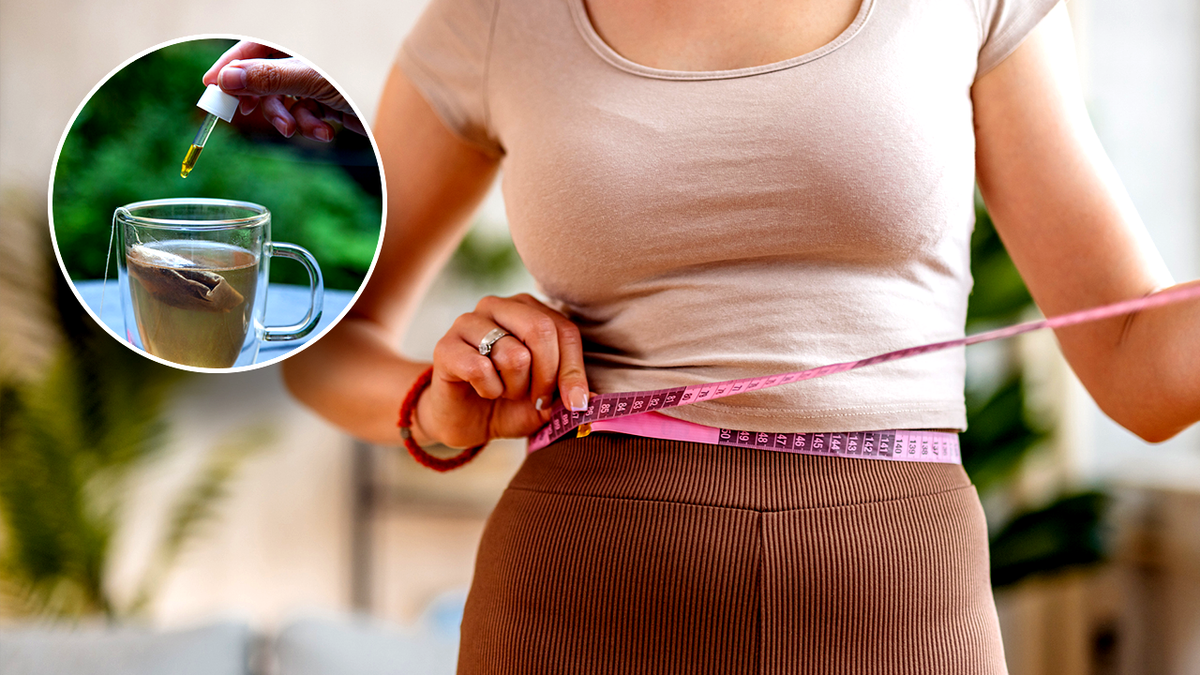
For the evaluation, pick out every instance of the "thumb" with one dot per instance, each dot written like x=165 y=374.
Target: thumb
x=279 y=77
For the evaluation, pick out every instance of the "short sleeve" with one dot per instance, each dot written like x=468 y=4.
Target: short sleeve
x=1004 y=24
x=446 y=57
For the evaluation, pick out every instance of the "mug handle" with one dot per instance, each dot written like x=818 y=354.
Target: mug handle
x=316 y=297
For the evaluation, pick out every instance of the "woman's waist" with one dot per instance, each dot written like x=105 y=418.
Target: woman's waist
x=911 y=445
x=798 y=416
x=605 y=464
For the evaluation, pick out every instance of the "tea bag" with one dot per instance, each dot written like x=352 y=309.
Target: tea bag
x=175 y=281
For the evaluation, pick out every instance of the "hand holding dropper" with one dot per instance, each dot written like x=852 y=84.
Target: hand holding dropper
x=292 y=94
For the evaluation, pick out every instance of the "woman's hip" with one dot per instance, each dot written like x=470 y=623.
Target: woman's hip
x=621 y=554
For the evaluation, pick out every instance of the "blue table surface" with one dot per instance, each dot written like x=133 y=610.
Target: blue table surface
x=286 y=304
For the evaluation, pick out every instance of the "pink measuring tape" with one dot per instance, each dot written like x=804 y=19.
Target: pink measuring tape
x=636 y=410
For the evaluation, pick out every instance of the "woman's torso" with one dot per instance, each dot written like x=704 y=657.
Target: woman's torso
x=709 y=225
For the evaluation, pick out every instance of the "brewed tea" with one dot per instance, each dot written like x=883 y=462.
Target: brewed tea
x=192 y=300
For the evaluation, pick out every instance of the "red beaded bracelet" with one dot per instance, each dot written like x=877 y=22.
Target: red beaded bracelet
x=405 y=424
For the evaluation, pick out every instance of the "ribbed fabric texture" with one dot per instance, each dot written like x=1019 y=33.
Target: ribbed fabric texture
x=621 y=554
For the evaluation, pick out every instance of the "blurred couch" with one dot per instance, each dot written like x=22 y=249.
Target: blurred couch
x=318 y=645
x=311 y=646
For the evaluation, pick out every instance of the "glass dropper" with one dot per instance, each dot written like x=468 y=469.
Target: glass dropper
x=217 y=104
x=193 y=152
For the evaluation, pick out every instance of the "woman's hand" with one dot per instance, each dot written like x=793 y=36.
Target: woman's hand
x=508 y=394
x=292 y=94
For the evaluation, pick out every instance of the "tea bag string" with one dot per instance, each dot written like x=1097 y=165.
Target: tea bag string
x=112 y=232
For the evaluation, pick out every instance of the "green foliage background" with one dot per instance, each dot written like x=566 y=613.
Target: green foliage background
x=72 y=436
x=127 y=143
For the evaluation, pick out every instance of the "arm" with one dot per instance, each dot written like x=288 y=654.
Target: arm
x=1073 y=233
x=354 y=376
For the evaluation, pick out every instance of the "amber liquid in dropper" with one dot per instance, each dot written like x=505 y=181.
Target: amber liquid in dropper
x=189 y=160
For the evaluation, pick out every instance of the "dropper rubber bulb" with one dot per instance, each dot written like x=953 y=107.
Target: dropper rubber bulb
x=217 y=104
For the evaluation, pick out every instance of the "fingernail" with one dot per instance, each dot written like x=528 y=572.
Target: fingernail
x=281 y=125
x=539 y=404
x=323 y=134
x=578 y=399
x=233 y=79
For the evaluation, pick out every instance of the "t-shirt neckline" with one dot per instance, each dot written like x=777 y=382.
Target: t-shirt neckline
x=584 y=24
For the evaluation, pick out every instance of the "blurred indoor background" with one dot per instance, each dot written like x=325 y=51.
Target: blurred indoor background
x=153 y=506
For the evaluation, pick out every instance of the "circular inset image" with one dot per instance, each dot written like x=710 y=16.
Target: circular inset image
x=217 y=203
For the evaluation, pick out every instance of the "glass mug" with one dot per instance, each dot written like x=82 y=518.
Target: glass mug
x=193 y=275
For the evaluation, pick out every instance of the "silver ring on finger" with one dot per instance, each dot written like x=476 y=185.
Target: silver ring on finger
x=493 y=336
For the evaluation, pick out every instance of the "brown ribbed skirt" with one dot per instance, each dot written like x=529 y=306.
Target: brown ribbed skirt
x=620 y=554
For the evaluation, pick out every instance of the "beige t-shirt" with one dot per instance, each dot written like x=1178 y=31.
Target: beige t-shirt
x=703 y=226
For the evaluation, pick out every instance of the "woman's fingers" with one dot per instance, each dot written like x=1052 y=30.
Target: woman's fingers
x=509 y=356
x=571 y=377
x=278 y=115
x=280 y=77
x=537 y=329
x=307 y=113
x=458 y=362
x=242 y=50
x=252 y=71
x=542 y=355
x=247 y=104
